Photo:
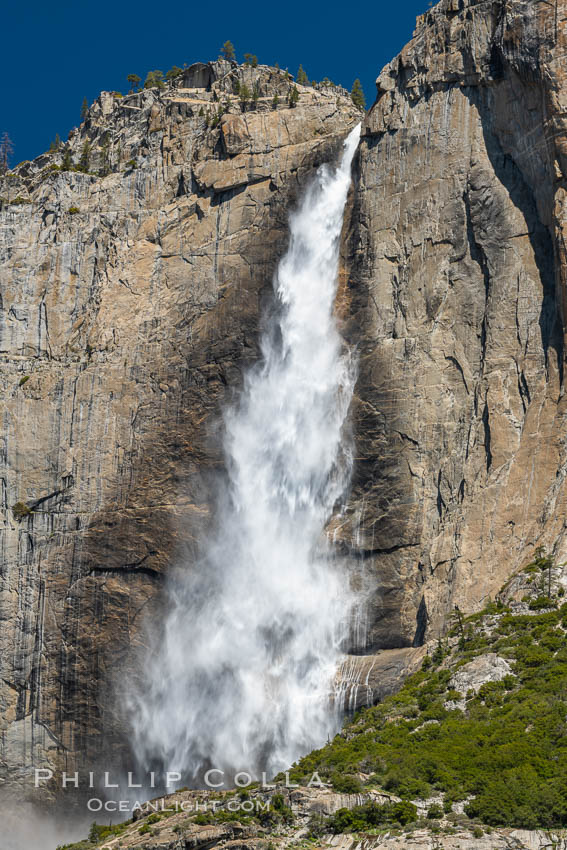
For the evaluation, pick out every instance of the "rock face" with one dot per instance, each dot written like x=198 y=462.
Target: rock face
x=130 y=298
x=457 y=276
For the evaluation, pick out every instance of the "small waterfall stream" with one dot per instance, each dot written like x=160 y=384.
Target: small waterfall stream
x=243 y=677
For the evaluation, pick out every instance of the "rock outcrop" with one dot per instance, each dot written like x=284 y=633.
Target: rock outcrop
x=457 y=274
x=130 y=298
x=168 y=823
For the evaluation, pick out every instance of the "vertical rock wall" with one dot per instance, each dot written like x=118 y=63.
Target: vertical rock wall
x=458 y=281
x=129 y=306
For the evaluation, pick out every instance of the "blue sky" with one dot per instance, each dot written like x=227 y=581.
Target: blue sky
x=54 y=54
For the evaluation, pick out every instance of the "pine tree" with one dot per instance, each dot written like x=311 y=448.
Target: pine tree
x=275 y=101
x=84 y=161
x=244 y=94
x=55 y=144
x=227 y=51
x=6 y=150
x=293 y=96
x=302 y=77
x=67 y=162
x=84 y=109
x=154 y=79
x=357 y=95
x=134 y=81
x=173 y=73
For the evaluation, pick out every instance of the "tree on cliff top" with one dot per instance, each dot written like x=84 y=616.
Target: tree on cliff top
x=173 y=73
x=302 y=77
x=357 y=95
x=84 y=109
x=227 y=51
x=134 y=81
x=154 y=79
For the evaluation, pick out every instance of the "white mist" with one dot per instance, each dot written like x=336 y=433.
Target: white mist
x=243 y=678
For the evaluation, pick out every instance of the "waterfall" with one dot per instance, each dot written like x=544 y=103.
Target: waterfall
x=243 y=677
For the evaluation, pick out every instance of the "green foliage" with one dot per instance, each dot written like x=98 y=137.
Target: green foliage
x=357 y=95
x=134 y=81
x=20 y=510
x=173 y=73
x=23 y=380
x=370 y=815
x=275 y=101
x=154 y=79
x=84 y=160
x=251 y=59
x=55 y=144
x=346 y=784
x=293 y=96
x=84 y=109
x=541 y=602
x=227 y=51
x=302 y=77
x=435 y=811
x=67 y=162
x=244 y=94
x=74 y=210
x=508 y=748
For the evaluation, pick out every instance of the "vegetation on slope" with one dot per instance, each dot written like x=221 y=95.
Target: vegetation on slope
x=503 y=750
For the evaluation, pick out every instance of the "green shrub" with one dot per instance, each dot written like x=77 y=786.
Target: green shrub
x=345 y=784
x=370 y=815
x=434 y=812
x=74 y=210
x=541 y=602
x=23 y=380
x=154 y=79
x=21 y=510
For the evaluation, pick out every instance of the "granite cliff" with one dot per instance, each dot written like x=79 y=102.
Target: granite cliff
x=456 y=288
x=130 y=305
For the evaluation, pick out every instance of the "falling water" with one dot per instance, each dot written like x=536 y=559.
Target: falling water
x=243 y=676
